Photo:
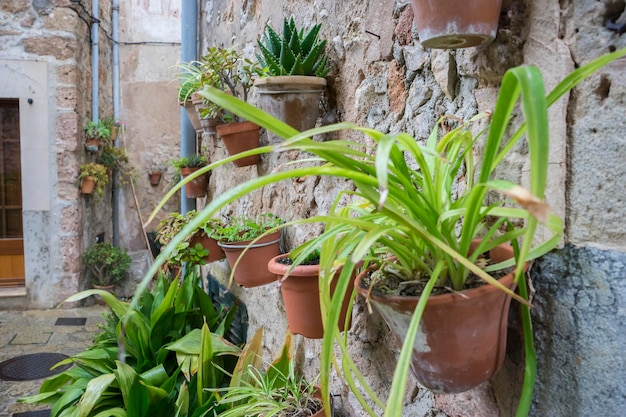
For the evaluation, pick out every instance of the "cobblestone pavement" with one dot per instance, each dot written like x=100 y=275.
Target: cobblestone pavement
x=36 y=331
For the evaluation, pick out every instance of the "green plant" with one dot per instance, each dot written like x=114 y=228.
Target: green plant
x=116 y=158
x=99 y=129
x=108 y=264
x=157 y=361
x=99 y=174
x=277 y=391
x=393 y=218
x=191 y=161
x=242 y=228
x=293 y=53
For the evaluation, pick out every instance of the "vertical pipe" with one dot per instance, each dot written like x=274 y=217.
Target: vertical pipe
x=115 y=203
x=188 y=52
x=94 y=62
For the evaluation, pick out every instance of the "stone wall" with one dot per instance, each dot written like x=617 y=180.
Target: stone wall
x=382 y=77
x=53 y=32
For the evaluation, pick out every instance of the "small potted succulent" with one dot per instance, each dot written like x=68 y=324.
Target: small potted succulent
x=188 y=165
x=96 y=133
x=292 y=80
x=93 y=178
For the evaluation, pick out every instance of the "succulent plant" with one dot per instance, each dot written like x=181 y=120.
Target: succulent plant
x=295 y=53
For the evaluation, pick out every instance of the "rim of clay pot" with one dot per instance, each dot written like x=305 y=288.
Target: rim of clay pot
x=299 y=271
x=236 y=127
x=299 y=82
x=268 y=240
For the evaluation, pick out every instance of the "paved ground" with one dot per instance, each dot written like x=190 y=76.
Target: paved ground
x=34 y=331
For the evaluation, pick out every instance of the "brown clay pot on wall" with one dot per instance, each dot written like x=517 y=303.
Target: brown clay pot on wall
x=87 y=185
x=205 y=124
x=215 y=252
x=461 y=341
x=192 y=115
x=155 y=177
x=300 y=291
x=196 y=188
x=451 y=24
x=251 y=270
x=294 y=99
x=240 y=137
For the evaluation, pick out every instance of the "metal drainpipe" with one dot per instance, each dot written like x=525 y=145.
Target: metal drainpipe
x=94 y=62
x=115 y=198
x=188 y=52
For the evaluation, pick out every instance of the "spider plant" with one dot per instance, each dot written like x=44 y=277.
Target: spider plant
x=411 y=208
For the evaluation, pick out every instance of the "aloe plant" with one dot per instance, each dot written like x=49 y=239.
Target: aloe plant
x=390 y=219
x=294 y=53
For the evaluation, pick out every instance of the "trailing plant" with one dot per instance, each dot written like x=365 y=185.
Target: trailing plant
x=99 y=174
x=163 y=354
x=394 y=178
x=107 y=264
x=116 y=158
x=294 y=52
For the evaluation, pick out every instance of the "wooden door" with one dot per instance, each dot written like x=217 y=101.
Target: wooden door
x=11 y=227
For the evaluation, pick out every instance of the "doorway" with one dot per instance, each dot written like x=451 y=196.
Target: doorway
x=12 y=271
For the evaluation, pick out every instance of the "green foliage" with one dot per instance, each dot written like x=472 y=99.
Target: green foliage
x=100 y=129
x=295 y=53
x=277 y=391
x=99 y=174
x=171 y=225
x=107 y=264
x=191 y=161
x=150 y=365
x=116 y=158
x=390 y=219
x=242 y=228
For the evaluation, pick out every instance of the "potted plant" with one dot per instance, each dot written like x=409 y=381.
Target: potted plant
x=195 y=187
x=190 y=81
x=107 y=265
x=276 y=391
x=96 y=132
x=394 y=181
x=299 y=287
x=93 y=178
x=115 y=158
x=155 y=173
x=228 y=70
x=446 y=24
x=249 y=243
x=292 y=81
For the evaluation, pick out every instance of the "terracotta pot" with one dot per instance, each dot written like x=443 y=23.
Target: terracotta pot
x=215 y=252
x=155 y=177
x=240 y=137
x=87 y=185
x=206 y=124
x=108 y=288
x=251 y=270
x=294 y=99
x=192 y=115
x=92 y=144
x=301 y=297
x=450 y=24
x=461 y=340
x=196 y=188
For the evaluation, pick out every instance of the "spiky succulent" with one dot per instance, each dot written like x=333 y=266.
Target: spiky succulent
x=295 y=53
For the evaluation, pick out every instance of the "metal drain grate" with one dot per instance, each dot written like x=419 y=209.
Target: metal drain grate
x=37 y=413
x=33 y=366
x=71 y=321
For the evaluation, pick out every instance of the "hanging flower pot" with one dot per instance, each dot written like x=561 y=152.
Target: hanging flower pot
x=192 y=115
x=300 y=292
x=240 y=137
x=251 y=269
x=197 y=187
x=461 y=341
x=155 y=177
x=450 y=24
x=87 y=185
x=215 y=251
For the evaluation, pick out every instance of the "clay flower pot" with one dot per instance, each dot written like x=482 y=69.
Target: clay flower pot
x=196 y=188
x=461 y=341
x=300 y=292
x=251 y=270
x=450 y=24
x=294 y=99
x=215 y=251
x=240 y=137
x=87 y=185
x=154 y=177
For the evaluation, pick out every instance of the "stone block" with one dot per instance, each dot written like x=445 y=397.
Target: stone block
x=68 y=136
x=67 y=97
x=62 y=19
x=58 y=47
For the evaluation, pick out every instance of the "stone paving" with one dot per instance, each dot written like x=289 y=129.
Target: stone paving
x=34 y=331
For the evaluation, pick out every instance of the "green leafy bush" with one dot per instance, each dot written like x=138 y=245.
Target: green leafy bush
x=241 y=228
x=107 y=264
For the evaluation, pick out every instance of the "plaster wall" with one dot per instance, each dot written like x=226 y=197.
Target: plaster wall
x=383 y=78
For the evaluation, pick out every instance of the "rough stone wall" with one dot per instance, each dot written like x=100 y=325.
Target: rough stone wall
x=51 y=31
x=382 y=77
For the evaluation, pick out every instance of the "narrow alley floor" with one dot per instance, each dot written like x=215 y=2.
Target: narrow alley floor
x=26 y=333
